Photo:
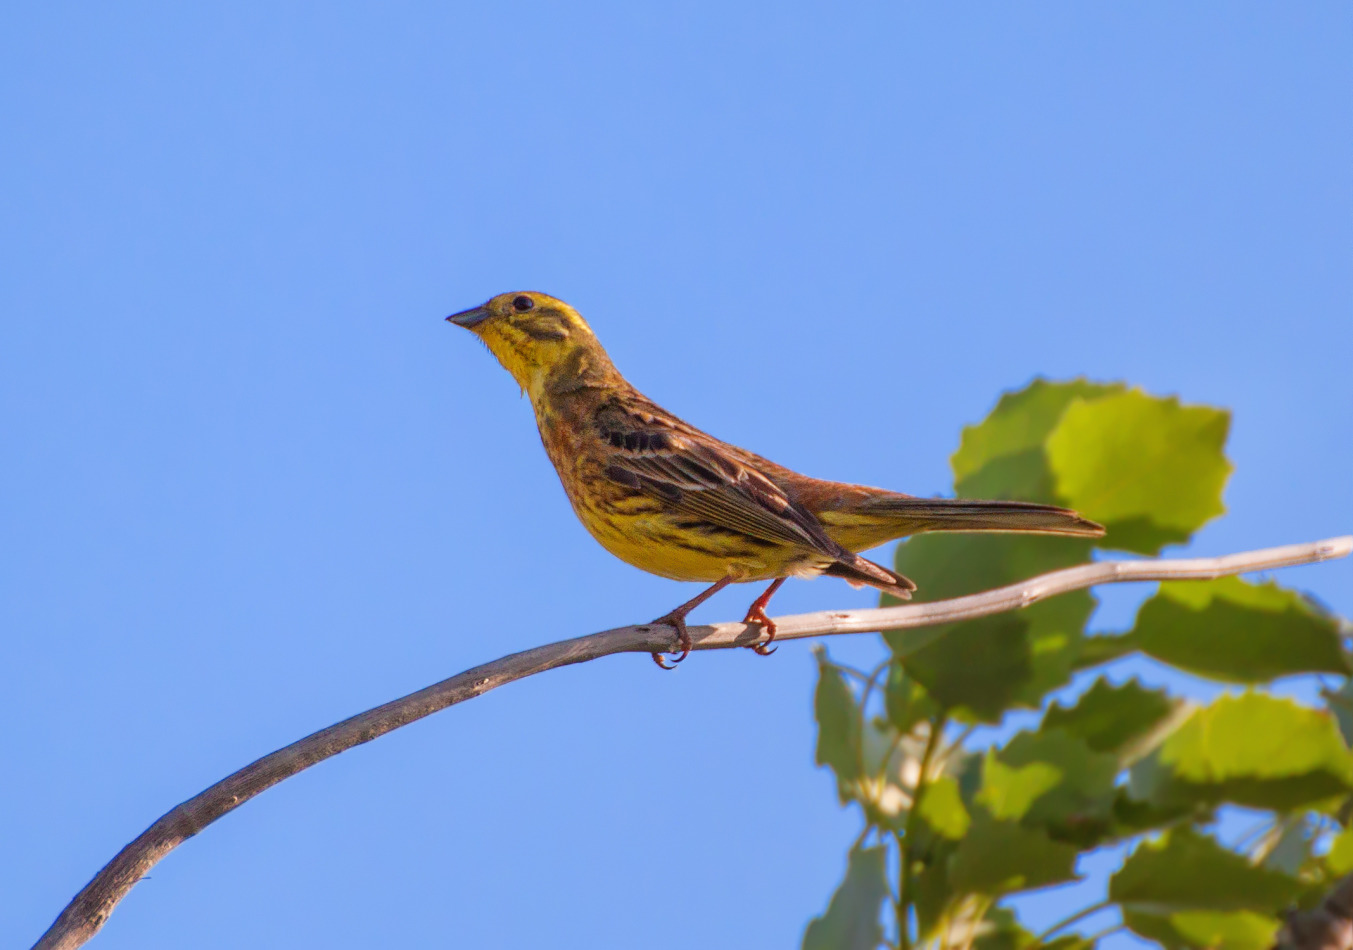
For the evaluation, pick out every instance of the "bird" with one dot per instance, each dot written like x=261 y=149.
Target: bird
x=670 y=499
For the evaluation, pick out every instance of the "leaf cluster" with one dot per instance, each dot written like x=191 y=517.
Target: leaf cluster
x=957 y=826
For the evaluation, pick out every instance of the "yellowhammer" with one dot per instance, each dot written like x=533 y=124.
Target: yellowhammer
x=667 y=498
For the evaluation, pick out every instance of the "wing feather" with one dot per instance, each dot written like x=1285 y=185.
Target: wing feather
x=693 y=476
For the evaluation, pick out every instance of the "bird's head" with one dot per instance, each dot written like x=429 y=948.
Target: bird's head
x=539 y=340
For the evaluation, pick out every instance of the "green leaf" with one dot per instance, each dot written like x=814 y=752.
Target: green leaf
x=1124 y=720
x=1003 y=457
x=840 y=723
x=950 y=565
x=1068 y=942
x=1079 y=804
x=983 y=667
x=851 y=921
x=1251 y=749
x=1013 y=434
x=1149 y=469
x=942 y=808
x=1237 y=930
x=931 y=894
x=1009 y=791
x=1185 y=890
x=1186 y=871
x=1098 y=650
x=997 y=857
x=906 y=701
x=978 y=667
x=1232 y=630
x=1132 y=816
x=1339 y=860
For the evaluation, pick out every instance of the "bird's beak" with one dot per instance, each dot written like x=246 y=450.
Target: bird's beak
x=469 y=318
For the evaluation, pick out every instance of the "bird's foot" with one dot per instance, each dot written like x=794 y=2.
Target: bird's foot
x=756 y=614
x=677 y=621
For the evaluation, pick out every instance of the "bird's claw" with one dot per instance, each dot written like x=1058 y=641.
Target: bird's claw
x=678 y=624
x=757 y=615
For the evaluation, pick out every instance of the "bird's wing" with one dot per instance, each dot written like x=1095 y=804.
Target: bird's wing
x=693 y=474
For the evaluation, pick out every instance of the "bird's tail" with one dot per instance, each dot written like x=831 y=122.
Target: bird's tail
x=859 y=571
x=916 y=515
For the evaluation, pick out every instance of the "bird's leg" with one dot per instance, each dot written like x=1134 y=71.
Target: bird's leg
x=677 y=620
x=757 y=614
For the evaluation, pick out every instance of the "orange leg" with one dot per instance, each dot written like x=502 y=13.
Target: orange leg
x=757 y=614
x=677 y=620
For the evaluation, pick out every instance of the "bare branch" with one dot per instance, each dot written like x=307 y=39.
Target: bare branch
x=84 y=915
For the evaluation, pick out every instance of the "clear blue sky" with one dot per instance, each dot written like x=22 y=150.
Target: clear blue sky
x=252 y=483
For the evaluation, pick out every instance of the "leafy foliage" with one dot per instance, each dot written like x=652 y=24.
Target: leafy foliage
x=1254 y=750
x=1118 y=719
x=1186 y=871
x=998 y=856
x=959 y=829
x=852 y=918
x=1150 y=470
x=1194 y=626
x=839 y=725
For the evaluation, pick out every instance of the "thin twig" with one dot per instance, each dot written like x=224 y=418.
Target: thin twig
x=84 y=915
x=870 y=683
x=1075 y=918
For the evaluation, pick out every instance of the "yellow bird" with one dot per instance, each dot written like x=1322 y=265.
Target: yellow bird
x=669 y=499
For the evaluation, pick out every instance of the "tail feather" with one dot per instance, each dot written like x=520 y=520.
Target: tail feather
x=862 y=571
x=962 y=514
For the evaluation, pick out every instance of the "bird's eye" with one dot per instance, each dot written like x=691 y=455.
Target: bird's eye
x=522 y=303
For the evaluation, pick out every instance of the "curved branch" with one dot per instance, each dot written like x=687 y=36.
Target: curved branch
x=84 y=915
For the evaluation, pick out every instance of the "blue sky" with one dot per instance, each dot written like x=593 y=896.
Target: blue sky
x=254 y=484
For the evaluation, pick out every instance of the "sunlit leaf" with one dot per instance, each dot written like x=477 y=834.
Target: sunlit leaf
x=1252 y=749
x=1009 y=791
x=1149 y=469
x=1339 y=860
x=1015 y=432
x=1204 y=930
x=1233 y=630
x=942 y=808
x=851 y=921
